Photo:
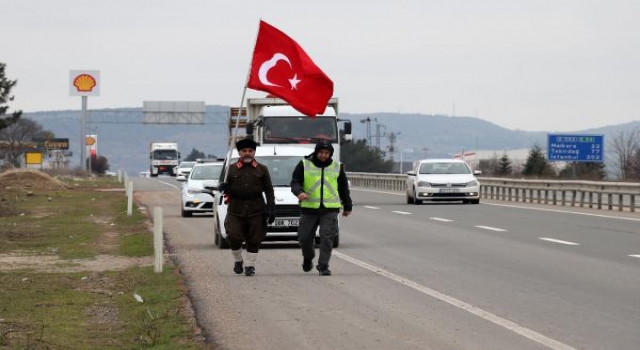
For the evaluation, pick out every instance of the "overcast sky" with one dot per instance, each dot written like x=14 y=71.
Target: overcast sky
x=536 y=65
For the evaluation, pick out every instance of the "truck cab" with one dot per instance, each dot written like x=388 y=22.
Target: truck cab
x=163 y=158
x=271 y=121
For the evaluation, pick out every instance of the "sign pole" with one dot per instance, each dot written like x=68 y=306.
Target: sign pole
x=83 y=135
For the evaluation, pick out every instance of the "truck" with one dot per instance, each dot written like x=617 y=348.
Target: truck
x=272 y=121
x=163 y=158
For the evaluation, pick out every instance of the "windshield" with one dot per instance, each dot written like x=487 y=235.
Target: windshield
x=300 y=129
x=206 y=172
x=280 y=168
x=166 y=154
x=187 y=164
x=444 y=168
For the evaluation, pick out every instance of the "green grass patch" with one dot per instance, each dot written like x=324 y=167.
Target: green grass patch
x=96 y=310
x=46 y=309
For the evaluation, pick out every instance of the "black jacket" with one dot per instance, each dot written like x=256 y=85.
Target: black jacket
x=297 y=179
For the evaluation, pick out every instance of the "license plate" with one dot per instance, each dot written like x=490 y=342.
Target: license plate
x=286 y=222
x=449 y=190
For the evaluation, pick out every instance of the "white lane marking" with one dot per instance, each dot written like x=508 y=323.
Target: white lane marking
x=635 y=256
x=370 y=207
x=401 y=212
x=557 y=241
x=564 y=211
x=169 y=184
x=441 y=219
x=492 y=228
x=518 y=207
x=502 y=322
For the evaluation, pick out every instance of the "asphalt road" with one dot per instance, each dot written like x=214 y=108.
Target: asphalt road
x=435 y=276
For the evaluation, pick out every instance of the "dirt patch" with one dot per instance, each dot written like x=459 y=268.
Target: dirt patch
x=52 y=263
x=29 y=179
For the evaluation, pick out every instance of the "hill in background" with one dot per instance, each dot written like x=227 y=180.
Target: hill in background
x=124 y=139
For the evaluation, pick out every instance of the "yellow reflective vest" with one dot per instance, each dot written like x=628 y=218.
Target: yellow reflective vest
x=321 y=188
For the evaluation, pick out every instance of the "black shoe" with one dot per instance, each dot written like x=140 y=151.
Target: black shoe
x=323 y=270
x=249 y=271
x=237 y=267
x=307 y=265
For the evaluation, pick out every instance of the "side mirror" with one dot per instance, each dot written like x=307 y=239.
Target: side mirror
x=347 y=128
x=249 y=128
x=477 y=172
x=411 y=173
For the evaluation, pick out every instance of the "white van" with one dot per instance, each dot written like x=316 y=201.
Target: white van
x=281 y=160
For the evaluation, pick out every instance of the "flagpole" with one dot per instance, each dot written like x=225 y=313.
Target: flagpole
x=244 y=92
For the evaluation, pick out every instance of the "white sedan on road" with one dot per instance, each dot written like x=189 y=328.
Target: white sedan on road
x=442 y=180
x=193 y=199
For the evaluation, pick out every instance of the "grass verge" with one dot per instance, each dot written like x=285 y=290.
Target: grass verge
x=52 y=302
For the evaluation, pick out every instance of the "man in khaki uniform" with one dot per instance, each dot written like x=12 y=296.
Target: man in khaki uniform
x=247 y=213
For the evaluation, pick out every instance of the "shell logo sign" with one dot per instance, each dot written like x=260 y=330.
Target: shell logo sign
x=84 y=83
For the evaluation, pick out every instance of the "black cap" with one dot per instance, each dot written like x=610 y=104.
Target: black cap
x=324 y=144
x=246 y=143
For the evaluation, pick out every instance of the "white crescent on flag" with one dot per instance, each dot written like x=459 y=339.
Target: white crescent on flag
x=267 y=65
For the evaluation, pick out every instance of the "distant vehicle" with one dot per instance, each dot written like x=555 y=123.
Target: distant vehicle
x=144 y=173
x=201 y=175
x=163 y=158
x=110 y=173
x=184 y=168
x=442 y=180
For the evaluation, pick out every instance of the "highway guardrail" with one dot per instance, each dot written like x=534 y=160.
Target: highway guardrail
x=621 y=196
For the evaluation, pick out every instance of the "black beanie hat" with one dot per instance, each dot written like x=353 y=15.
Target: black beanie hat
x=246 y=143
x=324 y=144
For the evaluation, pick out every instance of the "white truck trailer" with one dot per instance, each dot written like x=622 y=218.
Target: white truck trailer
x=163 y=158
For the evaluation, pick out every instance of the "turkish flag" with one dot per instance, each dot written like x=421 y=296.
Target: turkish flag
x=282 y=68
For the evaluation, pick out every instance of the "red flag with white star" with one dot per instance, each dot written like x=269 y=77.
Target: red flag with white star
x=282 y=68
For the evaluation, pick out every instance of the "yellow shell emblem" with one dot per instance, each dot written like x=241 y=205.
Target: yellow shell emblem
x=84 y=82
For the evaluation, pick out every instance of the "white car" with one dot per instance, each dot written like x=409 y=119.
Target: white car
x=442 y=180
x=184 y=168
x=193 y=199
x=281 y=160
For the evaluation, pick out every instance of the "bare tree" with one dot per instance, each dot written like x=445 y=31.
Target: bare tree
x=634 y=166
x=625 y=145
x=21 y=137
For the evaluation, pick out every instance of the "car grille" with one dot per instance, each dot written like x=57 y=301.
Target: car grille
x=291 y=211
x=459 y=194
x=457 y=185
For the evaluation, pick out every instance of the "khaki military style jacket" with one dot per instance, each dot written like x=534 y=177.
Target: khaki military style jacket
x=247 y=182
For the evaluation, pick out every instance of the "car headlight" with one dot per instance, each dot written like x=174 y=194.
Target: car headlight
x=424 y=184
x=472 y=183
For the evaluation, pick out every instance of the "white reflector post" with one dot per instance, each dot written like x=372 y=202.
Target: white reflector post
x=157 y=238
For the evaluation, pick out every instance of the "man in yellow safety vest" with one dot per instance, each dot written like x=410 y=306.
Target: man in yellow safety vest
x=321 y=185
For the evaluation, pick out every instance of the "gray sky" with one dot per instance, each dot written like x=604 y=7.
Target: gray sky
x=536 y=65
